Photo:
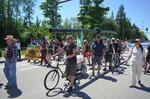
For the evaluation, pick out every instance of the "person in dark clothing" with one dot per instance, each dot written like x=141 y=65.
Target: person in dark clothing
x=98 y=52
x=71 y=62
x=44 y=51
x=109 y=51
x=0 y=57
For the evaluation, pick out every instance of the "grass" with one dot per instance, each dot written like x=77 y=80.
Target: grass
x=22 y=52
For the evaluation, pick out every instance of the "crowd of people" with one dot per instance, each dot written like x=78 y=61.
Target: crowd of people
x=96 y=52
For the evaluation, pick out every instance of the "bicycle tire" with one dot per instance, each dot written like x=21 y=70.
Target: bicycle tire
x=55 y=74
x=84 y=70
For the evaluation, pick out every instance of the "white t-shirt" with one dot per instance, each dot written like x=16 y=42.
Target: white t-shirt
x=137 y=55
x=18 y=45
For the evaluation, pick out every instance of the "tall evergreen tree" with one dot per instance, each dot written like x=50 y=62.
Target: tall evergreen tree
x=92 y=14
x=120 y=19
x=50 y=8
x=28 y=10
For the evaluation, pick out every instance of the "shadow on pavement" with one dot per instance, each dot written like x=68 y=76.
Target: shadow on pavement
x=54 y=92
x=143 y=88
x=77 y=91
x=1 y=85
x=13 y=93
x=109 y=78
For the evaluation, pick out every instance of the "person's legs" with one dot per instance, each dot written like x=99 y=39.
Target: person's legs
x=19 y=54
x=133 y=68
x=139 y=72
x=42 y=58
x=7 y=73
x=99 y=60
x=93 y=65
x=110 y=64
x=71 y=74
x=13 y=74
x=106 y=60
x=45 y=60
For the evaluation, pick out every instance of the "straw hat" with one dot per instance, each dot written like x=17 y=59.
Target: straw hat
x=10 y=37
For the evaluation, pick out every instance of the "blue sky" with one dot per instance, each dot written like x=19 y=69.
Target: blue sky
x=137 y=10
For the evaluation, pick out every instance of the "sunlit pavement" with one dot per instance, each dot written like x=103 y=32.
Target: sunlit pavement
x=30 y=80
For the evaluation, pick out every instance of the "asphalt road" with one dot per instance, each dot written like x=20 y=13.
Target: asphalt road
x=30 y=80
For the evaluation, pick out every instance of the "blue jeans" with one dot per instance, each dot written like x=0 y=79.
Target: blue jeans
x=10 y=73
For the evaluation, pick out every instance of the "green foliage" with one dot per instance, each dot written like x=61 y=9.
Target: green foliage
x=49 y=8
x=92 y=14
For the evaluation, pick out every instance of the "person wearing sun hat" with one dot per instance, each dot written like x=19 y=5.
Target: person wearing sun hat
x=10 y=62
x=137 y=61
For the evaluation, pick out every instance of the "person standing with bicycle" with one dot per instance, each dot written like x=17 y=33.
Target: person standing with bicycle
x=138 y=59
x=98 y=53
x=109 y=51
x=71 y=60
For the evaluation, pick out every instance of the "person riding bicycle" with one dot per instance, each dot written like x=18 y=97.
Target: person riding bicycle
x=109 y=51
x=71 y=62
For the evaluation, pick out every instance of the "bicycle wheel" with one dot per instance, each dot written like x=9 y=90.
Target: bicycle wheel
x=51 y=80
x=84 y=70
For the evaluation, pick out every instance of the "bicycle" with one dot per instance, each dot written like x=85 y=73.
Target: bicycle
x=117 y=63
x=53 y=76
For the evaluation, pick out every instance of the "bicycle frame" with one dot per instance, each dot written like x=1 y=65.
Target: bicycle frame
x=57 y=68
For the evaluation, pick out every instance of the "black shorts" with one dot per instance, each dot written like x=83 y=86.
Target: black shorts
x=71 y=69
x=108 y=58
x=96 y=60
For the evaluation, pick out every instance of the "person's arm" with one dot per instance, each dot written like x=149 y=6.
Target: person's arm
x=129 y=55
x=59 y=52
x=144 y=57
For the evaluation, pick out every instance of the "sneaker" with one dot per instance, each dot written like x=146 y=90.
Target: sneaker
x=93 y=74
x=98 y=73
x=75 y=81
x=110 y=68
x=132 y=86
x=1 y=84
x=104 y=69
x=139 y=82
x=69 y=89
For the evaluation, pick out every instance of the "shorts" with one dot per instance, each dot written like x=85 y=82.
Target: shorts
x=108 y=58
x=96 y=60
x=71 y=69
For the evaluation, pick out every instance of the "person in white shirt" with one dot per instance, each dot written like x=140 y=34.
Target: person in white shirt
x=18 y=44
x=137 y=61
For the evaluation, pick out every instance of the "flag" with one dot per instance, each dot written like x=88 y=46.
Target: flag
x=78 y=41
x=81 y=37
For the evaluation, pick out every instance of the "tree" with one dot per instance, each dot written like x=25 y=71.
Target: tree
x=110 y=23
x=92 y=14
x=28 y=10
x=67 y=23
x=49 y=8
x=120 y=19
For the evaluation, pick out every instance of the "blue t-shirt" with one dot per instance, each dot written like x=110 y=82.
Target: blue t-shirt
x=98 y=49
